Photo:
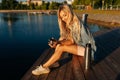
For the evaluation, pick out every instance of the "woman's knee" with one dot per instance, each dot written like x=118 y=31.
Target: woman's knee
x=80 y=51
x=60 y=48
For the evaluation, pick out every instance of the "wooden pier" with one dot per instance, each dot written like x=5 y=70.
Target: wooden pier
x=106 y=66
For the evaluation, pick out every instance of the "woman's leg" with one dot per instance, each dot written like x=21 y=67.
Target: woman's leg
x=73 y=49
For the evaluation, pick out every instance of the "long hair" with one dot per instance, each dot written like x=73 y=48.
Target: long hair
x=72 y=19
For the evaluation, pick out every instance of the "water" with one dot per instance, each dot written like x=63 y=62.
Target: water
x=23 y=37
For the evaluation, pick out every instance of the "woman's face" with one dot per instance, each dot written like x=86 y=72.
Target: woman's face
x=64 y=16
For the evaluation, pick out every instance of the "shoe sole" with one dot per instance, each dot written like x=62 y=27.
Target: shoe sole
x=40 y=74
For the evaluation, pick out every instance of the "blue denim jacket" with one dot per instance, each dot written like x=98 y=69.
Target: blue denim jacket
x=82 y=36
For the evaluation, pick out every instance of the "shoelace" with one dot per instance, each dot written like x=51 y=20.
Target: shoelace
x=38 y=67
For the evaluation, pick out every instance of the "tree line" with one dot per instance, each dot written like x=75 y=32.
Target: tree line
x=14 y=4
x=97 y=3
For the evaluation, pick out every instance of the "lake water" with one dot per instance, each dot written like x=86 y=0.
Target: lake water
x=23 y=37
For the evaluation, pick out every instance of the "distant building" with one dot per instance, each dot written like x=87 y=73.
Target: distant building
x=69 y=1
x=24 y=2
x=35 y=2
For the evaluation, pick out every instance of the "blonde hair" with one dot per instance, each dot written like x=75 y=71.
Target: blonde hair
x=64 y=27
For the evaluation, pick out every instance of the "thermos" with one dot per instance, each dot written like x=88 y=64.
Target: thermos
x=88 y=56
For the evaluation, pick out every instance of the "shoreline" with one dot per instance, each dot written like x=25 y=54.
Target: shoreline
x=15 y=11
x=103 y=23
x=100 y=19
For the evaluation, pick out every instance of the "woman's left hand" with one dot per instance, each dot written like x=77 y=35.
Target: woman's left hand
x=52 y=43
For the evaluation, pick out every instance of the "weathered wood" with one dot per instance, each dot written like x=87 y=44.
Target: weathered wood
x=99 y=73
x=106 y=44
x=114 y=61
x=77 y=70
x=61 y=72
x=29 y=75
x=52 y=75
x=44 y=77
x=89 y=74
x=69 y=74
x=106 y=67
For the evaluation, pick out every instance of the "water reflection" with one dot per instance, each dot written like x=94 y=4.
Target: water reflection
x=11 y=19
x=94 y=27
x=23 y=38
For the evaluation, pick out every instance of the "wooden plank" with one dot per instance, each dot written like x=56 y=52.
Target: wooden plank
x=105 y=44
x=108 y=67
x=62 y=70
x=107 y=70
x=34 y=77
x=52 y=75
x=58 y=73
x=114 y=61
x=68 y=73
x=99 y=72
x=44 y=76
x=116 y=54
x=89 y=74
x=28 y=74
x=77 y=70
x=101 y=41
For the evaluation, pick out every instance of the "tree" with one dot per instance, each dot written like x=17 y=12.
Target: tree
x=97 y=3
x=51 y=6
x=116 y=2
x=54 y=5
x=9 y=4
x=31 y=6
x=45 y=6
x=4 y=4
x=76 y=2
x=88 y=2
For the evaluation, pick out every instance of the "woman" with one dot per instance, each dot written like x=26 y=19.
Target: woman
x=72 y=33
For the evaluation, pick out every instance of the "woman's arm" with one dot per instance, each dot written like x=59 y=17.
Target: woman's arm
x=66 y=41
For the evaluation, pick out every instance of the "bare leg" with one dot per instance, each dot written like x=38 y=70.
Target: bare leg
x=56 y=55
x=58 y=52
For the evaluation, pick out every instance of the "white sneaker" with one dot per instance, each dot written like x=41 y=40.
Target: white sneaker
x=40 y=70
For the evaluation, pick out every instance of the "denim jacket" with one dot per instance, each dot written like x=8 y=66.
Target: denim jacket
x=82 y=36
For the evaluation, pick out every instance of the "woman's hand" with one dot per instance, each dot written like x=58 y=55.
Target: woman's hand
x=52 y=43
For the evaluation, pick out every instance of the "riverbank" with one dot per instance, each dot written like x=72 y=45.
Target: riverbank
x=100 y=17
x=104 y=18
x=30 y=11
x=4 y=11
